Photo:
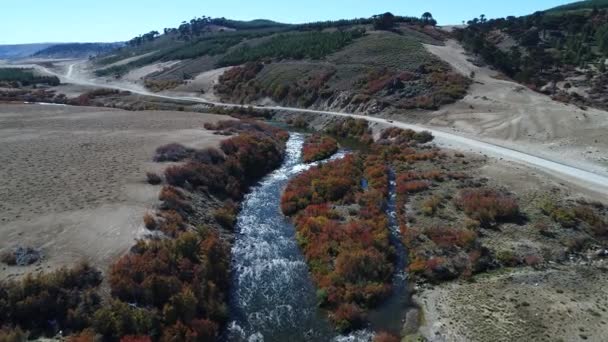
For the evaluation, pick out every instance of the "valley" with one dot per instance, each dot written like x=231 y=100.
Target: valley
x=377 y=179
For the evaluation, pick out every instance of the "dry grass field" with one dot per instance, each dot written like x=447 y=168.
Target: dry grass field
x=72 y=180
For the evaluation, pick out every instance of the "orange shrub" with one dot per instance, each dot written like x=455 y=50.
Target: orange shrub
x=385 y=337
x=487 y=205
x=150 y=221
x=348 y=317
x=318 y=147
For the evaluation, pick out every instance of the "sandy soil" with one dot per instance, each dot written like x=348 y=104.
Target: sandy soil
x=562 y=303
x=72 y=180
x=130 y=59
x=508 y=114
x=136 y=75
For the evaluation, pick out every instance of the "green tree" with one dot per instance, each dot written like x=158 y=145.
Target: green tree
x=384 y=21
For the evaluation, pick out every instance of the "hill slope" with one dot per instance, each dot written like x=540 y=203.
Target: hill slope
x=561 y=52
x=356 y=65
x=76 y=50
x=21 y=50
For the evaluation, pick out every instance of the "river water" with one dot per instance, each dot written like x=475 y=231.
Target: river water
x=273 y=297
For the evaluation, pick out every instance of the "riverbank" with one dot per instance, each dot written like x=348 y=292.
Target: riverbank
x=563 y=302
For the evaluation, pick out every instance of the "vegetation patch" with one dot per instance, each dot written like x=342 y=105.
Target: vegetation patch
x=318 y=147
x=19 y=77
x=313 y=45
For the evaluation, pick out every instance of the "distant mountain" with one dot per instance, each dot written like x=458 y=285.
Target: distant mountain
x=76 y=50
x=21 y=50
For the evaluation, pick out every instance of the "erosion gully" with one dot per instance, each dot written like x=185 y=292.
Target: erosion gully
x=272 y=296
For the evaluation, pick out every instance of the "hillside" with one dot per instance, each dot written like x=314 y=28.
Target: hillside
x=586 y=5
x=561 y=52
x=21 y=50
x=76 y=50
x=362 y=65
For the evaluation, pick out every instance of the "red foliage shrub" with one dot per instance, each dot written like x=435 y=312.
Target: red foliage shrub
x=132 y=338
x=448 y=237
x=172 y=152
x=412 y=186
x=174 y=199
x=153 y=178
x=318 y=147
x=385 y=337
x=186 y=278
x=246 y=158
x=487 y=205
x=150 y=221
x=65 y=296
x=226 y=215
x=351 y=128
x=333 y=181
x=349 y=261
x=348 y=317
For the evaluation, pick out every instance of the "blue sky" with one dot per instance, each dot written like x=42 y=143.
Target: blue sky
x=29 y=21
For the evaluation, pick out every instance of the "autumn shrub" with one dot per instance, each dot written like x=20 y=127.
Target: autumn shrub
x=225 y=216
x=171 y=223
x=8 y=334
x=87 y=335
x=118 y=319
x=174 y=199
x=487 y=205
x=508 y=258
x=348 y=317
x=172 y=153
x=385 y=337
x=318 y=147
x=350 y=261
x=246 y=158
x=181 y=282
x=411 y=187
x=135 y=338
x=153 y=178
x=150 y=221
x=65 y=296
x=448 y=237
x=329 y=182
x=430 y=205
x=351 y=128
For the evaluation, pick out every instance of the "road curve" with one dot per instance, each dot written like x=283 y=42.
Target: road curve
x=591 y=181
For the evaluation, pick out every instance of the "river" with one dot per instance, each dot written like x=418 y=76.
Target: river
x=273 y=297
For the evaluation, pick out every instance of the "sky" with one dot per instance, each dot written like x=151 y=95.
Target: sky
x=32 y=21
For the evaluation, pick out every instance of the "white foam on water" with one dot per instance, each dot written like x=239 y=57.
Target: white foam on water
x=273 y=296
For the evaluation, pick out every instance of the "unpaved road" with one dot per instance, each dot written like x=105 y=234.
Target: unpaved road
x=586 y=178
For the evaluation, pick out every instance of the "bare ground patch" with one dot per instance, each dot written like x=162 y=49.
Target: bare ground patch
x=73 y=178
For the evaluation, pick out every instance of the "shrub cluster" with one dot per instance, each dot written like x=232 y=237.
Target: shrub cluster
x=179 y=282
x=18 y=77
x=357 y=129
x=350 y=259
x=243 y=159
x=487 y=205
x=45 y=303
x=318 y=147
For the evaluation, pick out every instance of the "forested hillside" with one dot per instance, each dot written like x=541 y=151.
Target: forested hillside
x=361 y=65
x=561 y=52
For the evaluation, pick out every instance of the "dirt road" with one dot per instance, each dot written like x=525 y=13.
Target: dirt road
x=586 y=176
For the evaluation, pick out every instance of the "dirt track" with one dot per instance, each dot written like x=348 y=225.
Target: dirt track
x=72 y=180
